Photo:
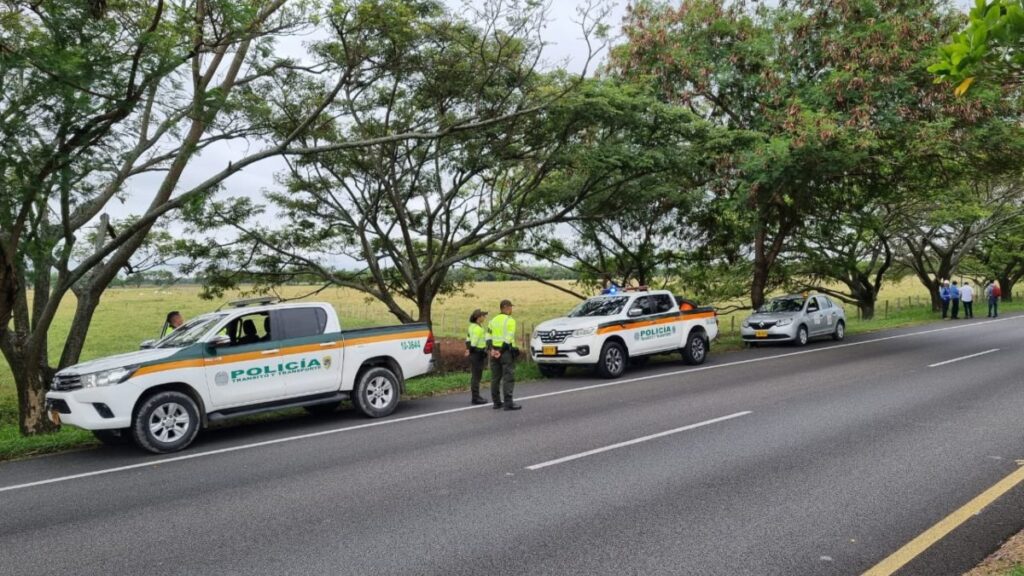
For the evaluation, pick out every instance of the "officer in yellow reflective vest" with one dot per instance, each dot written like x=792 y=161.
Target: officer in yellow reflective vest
x=476 y=349
x=502 y=344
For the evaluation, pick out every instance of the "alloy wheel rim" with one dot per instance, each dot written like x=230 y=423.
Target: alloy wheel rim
x=169 y=422
x=613 y=360
x=697 y=349
x=379 y=392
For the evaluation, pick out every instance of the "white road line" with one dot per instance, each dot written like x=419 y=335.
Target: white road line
x=963 y=358
x=634 y=441
x=193 y=456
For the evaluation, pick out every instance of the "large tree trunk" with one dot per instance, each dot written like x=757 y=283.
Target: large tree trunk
x=761 y=269
x=32 y=376
x=1006 y=285
x=867 y=310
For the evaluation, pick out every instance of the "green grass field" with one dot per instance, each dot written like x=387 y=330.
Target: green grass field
x=127 y=316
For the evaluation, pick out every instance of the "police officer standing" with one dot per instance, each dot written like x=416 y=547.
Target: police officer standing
x=503 y=357
x=476 y=349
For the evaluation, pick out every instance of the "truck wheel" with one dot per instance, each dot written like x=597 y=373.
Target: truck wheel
x=801 y=336
x=840 y=332
x=696 y=349
x=116 y=437
x=376 y=392
x=551 y=370
x=612 y=361
x=323 y=409
x=165 y=422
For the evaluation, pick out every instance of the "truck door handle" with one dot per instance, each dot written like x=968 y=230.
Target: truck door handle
x=326 y=344
x=269 y=352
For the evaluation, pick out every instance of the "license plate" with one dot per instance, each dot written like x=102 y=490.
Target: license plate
x=549 y=350
x=55 y=417
x=760 y=333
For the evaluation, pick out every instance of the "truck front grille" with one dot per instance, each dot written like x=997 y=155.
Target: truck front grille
x=66 y=382
x=554 y=336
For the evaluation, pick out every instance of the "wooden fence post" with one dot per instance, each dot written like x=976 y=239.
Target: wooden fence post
x=886 y=308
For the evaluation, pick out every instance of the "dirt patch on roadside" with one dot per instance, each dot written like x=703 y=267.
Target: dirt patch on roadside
x=1002 y=562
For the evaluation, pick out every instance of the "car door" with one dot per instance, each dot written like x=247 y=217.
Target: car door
x=243 y=370
x=310 y=359
x=815 y=316
x=830 y=312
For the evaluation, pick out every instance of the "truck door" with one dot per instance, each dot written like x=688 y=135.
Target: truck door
x=310 y=360
x=244 y=371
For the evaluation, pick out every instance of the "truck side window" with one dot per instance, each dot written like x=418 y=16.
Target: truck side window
x=248 y=329
x=643 y=304
x=663 y=303
x=299 y=323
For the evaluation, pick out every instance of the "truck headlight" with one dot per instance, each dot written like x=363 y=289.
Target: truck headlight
x=584 y=331
x=746 y=323
x=784 y=322
x=108 y=377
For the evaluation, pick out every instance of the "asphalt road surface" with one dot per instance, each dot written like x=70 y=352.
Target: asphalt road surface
x=821 y=460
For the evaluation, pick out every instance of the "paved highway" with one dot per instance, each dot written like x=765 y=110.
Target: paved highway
x=821 y=460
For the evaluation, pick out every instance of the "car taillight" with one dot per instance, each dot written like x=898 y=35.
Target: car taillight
x=428 y=348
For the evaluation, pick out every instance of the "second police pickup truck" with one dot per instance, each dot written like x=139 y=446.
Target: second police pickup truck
x=243 y=360
x=607 y=332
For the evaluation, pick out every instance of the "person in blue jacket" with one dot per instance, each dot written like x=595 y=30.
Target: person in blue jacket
x=954 y=298
x=944 y=296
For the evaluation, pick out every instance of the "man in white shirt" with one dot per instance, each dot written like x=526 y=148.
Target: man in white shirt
x=967 y=297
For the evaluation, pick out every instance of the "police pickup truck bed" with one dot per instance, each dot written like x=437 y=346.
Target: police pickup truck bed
x=235 y=362
x=608 y=331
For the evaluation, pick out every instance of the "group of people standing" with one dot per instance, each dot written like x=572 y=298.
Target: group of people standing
x=493 y=341
x=952 y=295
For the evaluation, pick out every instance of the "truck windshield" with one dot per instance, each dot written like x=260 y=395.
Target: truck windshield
x=605 y=306
x=783 y=305
x=190 y=332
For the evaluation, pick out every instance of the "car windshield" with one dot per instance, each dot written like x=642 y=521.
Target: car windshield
x=783 y=305
x=190 y=332
x=604 y=306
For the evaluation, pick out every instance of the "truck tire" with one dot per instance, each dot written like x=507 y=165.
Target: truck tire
x=612 y=361
x=695 y=351
x=376 y=392
x=551 y=370
x=165 y=422
x=116 y=437
x=323 y=409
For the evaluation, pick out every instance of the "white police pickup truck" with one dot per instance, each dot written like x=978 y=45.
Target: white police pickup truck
x=254 y=357
x=609 y=331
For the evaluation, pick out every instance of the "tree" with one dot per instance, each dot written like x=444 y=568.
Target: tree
x=1000 y=256
x=95 y=96
x=413 y=212
x=835 y=95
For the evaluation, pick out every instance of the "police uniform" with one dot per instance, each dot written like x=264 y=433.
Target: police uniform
x=502 y=330
x=476 y=343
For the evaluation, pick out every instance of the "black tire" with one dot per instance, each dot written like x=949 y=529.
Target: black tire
x=840 y=333
x=696 y=349
x=612 y=361
x=116 y=437
x=376 y=393
x=802 y=336
x=165 y=422
x=323 y=409
x=551 y=370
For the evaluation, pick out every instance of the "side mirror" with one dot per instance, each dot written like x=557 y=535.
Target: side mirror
x=147 y=344
x=634 y=312
x=218 y=341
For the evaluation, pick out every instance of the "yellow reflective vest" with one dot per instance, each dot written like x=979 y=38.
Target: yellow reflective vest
x=476 y=337
x=503 y=331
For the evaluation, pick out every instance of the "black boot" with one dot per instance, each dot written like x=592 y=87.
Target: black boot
x=478 y=400
x=510 y=405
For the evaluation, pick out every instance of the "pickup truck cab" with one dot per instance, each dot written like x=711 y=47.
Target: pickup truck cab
x=239 y=361
x=608 y=331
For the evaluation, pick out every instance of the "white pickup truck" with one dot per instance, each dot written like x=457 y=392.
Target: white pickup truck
x=239 y=361
x=609 y=331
